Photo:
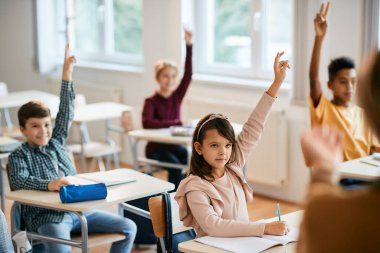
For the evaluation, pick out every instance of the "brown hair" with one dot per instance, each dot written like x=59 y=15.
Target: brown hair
x=198 y=165
x=32 y=109
x=369 y=91
x=162 y=64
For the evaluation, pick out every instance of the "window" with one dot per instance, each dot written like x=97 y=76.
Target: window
x=108 y=31
x=240 y=38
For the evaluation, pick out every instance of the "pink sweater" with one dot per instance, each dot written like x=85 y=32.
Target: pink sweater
x=219 y=208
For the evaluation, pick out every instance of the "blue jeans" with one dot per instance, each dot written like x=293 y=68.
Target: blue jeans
x=178 y=156
x=97 y=222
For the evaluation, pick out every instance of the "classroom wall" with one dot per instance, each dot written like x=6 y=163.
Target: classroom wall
x=162 y=35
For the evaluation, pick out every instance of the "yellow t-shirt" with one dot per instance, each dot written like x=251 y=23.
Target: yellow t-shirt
x=358 y=139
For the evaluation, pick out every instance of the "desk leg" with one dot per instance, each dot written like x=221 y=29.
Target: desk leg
x=133 y=144
x=13 y=223
x=83 y=222
x=83 y=140
x=31 y=235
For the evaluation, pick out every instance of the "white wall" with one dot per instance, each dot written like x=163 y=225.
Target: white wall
x=162 y=39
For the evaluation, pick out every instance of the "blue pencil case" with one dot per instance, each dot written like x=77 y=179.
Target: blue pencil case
x=78 y=193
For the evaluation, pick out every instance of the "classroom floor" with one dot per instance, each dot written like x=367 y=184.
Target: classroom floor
x=260 y=208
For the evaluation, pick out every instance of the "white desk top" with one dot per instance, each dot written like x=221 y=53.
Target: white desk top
x=293 y=219
x=99 y=111
x=143 y=186
x=365 y=168
x=16 y=99
x=162 y=135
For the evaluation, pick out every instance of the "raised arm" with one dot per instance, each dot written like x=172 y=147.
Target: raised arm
x=66 y=104
x=322 y=150
x=320 y=27
x=188 y=72
x=279 y=68
x=252 y=129
x=68 y=65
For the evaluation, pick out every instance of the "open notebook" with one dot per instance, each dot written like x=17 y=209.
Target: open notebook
x=249 y=244
x=109 y=178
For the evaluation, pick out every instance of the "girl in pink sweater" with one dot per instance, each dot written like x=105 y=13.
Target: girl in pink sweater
x=213 y=197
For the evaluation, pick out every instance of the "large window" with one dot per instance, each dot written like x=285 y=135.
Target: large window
x=107 y=31
x=241 y=37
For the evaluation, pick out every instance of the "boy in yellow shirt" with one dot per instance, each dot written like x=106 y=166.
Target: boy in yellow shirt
x=339 y=112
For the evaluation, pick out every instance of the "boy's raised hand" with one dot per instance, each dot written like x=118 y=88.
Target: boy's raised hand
x=320 y=20
x=188 y=36
x=68 y=65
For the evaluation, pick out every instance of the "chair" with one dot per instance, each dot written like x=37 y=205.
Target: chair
x=4 y=92
x=94 y=150
x=9 y=130
x=94 y=239
x=167 y=227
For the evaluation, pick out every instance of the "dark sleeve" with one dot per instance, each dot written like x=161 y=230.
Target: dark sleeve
x=148 y=120
x=65 y=113
x=186 y=79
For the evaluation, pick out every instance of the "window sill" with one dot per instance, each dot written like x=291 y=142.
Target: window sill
x=233 y=82
x=109 y=66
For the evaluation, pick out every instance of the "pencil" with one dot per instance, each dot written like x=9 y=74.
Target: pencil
x=369 y=163
x=278 y=212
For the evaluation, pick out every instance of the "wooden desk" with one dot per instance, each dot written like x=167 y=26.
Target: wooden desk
x=116 y=195
x=17 y=99
x=364 y=168
x=96 y=112
x=293 y=219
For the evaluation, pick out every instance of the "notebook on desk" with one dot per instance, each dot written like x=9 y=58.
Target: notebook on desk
x=249 y=244
x=109 y=178
x=182 y=130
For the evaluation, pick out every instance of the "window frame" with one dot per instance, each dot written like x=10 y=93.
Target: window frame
x=257 y=54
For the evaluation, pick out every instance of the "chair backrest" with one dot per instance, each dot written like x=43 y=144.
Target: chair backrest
x=9 y=179
x=127 y=121
x=166 y=224
x=157 y=214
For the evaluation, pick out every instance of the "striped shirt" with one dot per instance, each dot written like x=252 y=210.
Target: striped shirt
x=32 y=168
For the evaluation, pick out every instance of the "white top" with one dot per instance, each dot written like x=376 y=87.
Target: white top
x=16 y=99
x=99 y=111
x=364 y=168
x=116 y=194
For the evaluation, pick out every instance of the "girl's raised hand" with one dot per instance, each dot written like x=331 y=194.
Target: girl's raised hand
x=320 y=20
x=279 y=68
x=188 y=36
x=68 y=65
